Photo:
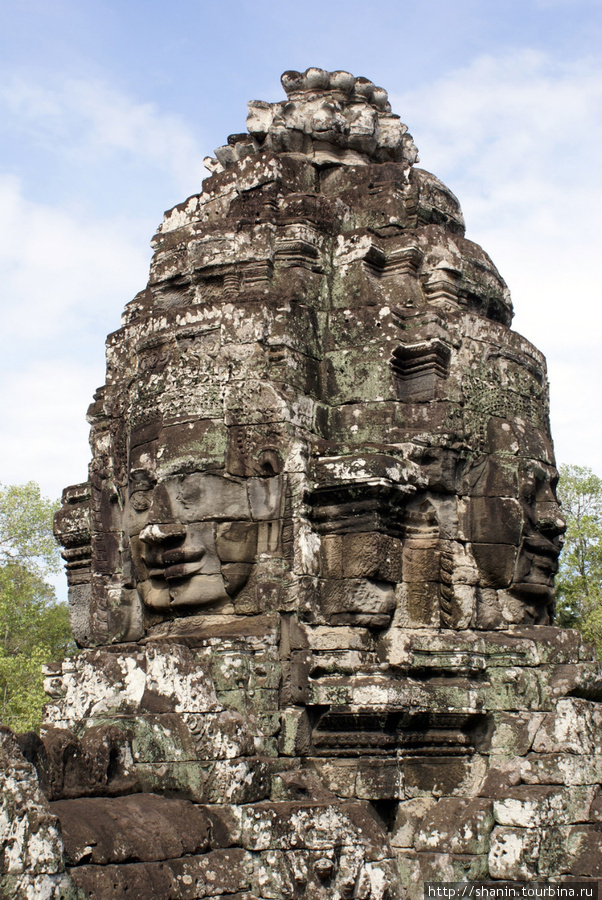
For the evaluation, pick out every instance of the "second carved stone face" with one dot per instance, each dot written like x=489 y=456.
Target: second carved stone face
x=513 y=520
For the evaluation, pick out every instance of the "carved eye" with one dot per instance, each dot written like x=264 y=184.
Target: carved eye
x=528 y=492
x=141 y=489
x=189 y=492
x=141 y=500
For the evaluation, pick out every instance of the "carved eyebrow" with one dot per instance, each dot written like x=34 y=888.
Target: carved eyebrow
x=141 y=478
x=180 y=467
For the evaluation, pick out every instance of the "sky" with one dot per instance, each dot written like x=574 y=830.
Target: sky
x=108 y=108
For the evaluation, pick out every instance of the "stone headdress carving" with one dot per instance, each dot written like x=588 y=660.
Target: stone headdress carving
x=320 y=349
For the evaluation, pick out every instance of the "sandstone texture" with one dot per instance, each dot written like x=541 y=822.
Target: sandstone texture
x=32 y=866
x=311 y=572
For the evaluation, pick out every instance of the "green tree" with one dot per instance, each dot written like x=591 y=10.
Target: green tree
x=34 y=627
x=26 y=528
x=579 y=579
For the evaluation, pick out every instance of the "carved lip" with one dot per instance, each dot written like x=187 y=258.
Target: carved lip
x=541 y=546
x=534 y=589
x=185 y=570
x=180 y=570
x=176 y=563
x=542 y=569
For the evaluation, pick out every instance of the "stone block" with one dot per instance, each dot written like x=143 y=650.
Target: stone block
x=132 y=680
x=419 y=867
x=80 y=596
x=98 y=763
x=495 y=477
x=421 y=564
x=54 y=887
x=409 y=817
x=357 y=597
x=573 y=850
x=418 y=604
x=458 y=605
x=214 y=874
x=188 y=780
x=511 y=733
x=331 y=556
x=574 y=727
x=443 y=775
x=452 y=652
x=325 y=637
x=225 y=826
x=295 y=733
x=359 y=326
x=561 y=768
x=493 y=520
x=537 y=806
x=337 y=774
x=295 y=678
x=455 y=825
x=140 y=828
x=379 y=779
x=496 y=563
x=311 y=826
x=553 y=644
x=514 y=853
x=205 y=441
x=244 y=780
x=222 y=735
x=577 y=679
x=489 y=610
x=511 y=689
x=30 y=838
x=502 y=775
x=272 y=872
x=372 y=555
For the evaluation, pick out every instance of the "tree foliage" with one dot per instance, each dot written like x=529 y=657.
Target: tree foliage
x=34 y=627
x=579 y=579
x=26 y=528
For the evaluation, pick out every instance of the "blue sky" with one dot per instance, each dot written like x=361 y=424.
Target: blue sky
x=107 y=110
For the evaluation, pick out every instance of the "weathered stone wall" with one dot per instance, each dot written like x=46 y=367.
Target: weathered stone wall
x=462 y=757
x=32 y=865
x=312 y=568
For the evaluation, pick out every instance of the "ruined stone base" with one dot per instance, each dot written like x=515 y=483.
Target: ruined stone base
x=297 y=849
x=467 y=756
x=32 y=866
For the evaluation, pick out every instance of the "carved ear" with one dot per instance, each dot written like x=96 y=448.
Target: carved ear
x=270 y=462
x=254 y=453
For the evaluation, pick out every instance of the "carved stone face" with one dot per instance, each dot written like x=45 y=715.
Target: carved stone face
x=194 y=534
x=514 y=521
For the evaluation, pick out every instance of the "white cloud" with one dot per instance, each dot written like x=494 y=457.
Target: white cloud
x=45 y=434
x=64 y=282
x=59 y=272
x=90 y=121
x=68 y=266
x=517 y=138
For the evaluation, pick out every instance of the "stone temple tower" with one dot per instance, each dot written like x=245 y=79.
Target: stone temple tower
x=312 y=568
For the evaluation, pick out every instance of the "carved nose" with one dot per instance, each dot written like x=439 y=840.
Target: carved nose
x=550 y=522
x=161 y=534
x=161 y=509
